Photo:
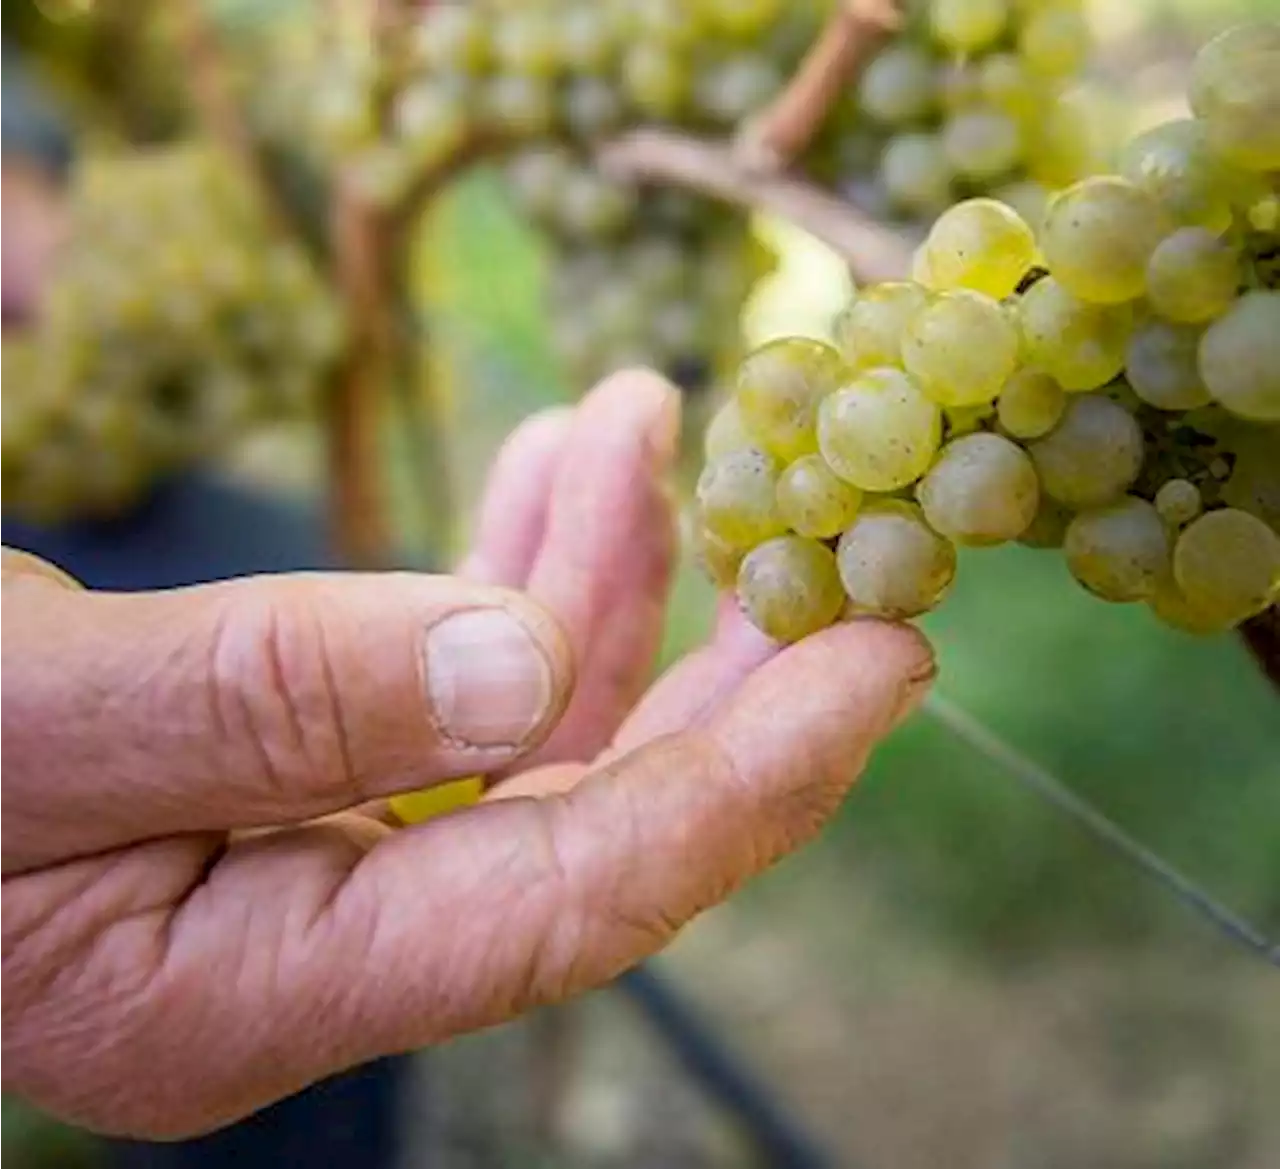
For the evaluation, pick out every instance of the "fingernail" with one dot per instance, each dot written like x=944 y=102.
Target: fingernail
x=489 y=680
x=664 y=431
x=913 y=692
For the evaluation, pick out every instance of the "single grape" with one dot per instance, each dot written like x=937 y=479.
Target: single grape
x=1092 y=456
x=1098 y=236
x=1193 y=275
x=898 y=87
x=1178 y=501
x=879 y=432
x=1227 y=564
x=959 y=85
x=779 y=388
x=737 y=499
x=527 y=43
x=731 y=89
x=1175 y=164
x=1030 y=404
x=432 y=120
x=591 y=107
x=452 y=37
x=1161 y=365
x=592 y=205
x=1026 y=197
x=1064 y=144
x=1240 y=357
x=1080 y=345
x=656 y=78
x=965 y=26
x=1235 y=89
x=961 y=348
x=789 y=587
x=518 y=105
x=1119 y=552
x=745 y=19
x=588 y=37
x=892 y=564
x=535 y=177
x=982 y=490
x=982 y=144
x=814 y=501
x=981 y=245
x=916 y=174
x=869 y=332
x=1008 y=86
x=1054 y=41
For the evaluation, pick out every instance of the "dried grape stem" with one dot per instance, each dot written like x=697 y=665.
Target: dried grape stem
x=873 y=251
x=773 y=138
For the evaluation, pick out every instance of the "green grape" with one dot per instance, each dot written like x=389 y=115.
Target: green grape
x=916 y=174
x=518 y=105
x=527 y=42
x=1092 y=456
x=1008 y=87
x=742 y=18
x=982 y=144
x=1080 y=345
x=1175 y=164
x=1063 y=146
x=982 y=490
x=879 y=432
x=718 y=560
x=431 y=120
x=869 y=332
x=899 y=86
x=965 y=26
x=789 y=588
x=1227 y=564
x=1030 y=404
x=1098 y=236
x=736 y=495
x=960 y=348
x=982 y=245
x=1028 y=198
x=1192 y=275
x=1054 y=41
x=1174 y=610
x=1178 y=502
x=892 y=564
x=731 y=89
x=343 y=116
x=452 y=36
x=814 y=501
x=656 y=79
x=535 y=176
x=1048 y=528
x=668 y=22
x=1161 y=365
x=726 y=432
x=1235 y=89
x=1119 y=552
x=591 y=205
x=959 y=85
x=1240 y=357
x=779 y=388
x=591 y=107
x=587 y=38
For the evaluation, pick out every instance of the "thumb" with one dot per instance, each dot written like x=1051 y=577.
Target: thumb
x=259 y=701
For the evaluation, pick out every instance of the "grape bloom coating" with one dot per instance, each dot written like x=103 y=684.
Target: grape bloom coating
x=1109 y=390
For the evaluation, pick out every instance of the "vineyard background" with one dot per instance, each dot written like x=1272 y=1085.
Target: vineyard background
x=954 y=974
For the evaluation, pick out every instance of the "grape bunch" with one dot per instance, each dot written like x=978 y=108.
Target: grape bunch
x=974 y=97
x=1109 y=387
x=174 y=320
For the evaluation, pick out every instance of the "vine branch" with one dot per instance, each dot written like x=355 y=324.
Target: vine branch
x=873 y=251
x=772 y=139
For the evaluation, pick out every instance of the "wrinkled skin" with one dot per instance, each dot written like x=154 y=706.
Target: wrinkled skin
x=205 y=908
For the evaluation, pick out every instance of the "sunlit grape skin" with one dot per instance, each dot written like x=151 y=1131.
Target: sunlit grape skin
x=779 y=387
x=1119 y=552
x=961 y=348
x=1227 y=564
x=1081 y=345
x=1174 y=163
x=979 y=244
x=982 y=490
x=814 y=500
x=1030 y=404
x=1178 y=502
x=1162 y=365
x=869 y=332
x=1240 y=357
x=1235 y=89
x=1098 y=236
x=892 y=564
x=1192 y=275
x=879 y=432
x=736 y=498
x=789 y=587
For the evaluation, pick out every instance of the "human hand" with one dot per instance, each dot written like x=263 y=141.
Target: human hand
x=204 y=909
